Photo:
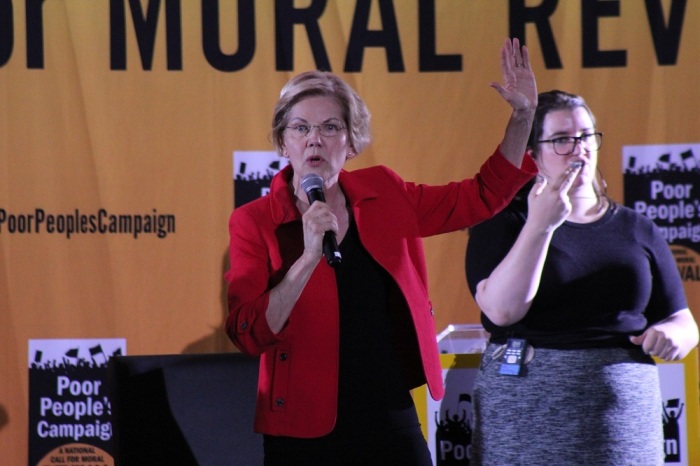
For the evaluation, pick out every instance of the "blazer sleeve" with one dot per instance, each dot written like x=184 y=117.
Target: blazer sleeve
x=459 y=205
x=248 y=283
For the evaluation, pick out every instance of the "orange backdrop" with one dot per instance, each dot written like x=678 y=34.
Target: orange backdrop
x=132 y=110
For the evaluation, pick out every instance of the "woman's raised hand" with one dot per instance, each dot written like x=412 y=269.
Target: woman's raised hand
x=519 y=88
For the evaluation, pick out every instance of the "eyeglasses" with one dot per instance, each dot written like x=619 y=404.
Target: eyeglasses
x=566 y=145
x=325 y=129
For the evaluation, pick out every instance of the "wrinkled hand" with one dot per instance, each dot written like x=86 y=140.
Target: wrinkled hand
x=657 y=342
x=519 y=88
x=317 y=220
x=548 y=203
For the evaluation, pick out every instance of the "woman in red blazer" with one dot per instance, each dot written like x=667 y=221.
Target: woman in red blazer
x=341 y=345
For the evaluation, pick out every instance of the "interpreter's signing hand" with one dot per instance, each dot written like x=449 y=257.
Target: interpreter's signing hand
x=519 y=88
x=548 y=203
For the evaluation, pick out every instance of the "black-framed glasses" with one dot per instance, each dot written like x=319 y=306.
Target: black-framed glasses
x=566 y=145
x=325 y=129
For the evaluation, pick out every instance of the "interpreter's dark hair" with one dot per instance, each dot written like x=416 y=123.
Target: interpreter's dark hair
x=356 y=116
x=551 y=101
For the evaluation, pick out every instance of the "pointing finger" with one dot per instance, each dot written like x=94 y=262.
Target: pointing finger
x=570 y=175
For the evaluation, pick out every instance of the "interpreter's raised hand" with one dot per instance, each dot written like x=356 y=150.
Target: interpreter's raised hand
x=519 y=88
x=317 y=220
x=548 y=203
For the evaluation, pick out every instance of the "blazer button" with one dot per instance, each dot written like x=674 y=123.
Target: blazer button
x=432 y=312
x=279 y=402
x=244 y=325
x=284 y=356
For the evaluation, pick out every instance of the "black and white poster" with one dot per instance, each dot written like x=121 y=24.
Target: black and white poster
x=662 y=182
x=70 y=412
x=252 y=174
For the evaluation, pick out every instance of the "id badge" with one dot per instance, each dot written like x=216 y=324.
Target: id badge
x=513 y=357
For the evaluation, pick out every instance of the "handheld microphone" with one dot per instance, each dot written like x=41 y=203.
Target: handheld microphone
x=312 y=184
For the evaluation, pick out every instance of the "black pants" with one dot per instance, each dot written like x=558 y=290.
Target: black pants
x=401 y=447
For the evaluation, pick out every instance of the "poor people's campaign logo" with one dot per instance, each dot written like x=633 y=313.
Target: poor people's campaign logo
x=662 y=182
x=70 y=408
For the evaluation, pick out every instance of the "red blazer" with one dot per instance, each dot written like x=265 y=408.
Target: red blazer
x=298 y=382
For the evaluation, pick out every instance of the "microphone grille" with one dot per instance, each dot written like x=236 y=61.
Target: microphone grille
x=310 y=182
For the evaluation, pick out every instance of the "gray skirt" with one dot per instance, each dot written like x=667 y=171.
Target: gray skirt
x=597 y=406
